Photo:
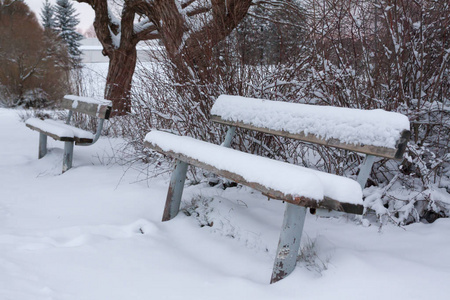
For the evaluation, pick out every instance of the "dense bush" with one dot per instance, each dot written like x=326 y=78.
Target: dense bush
x=33 y=71
x=359 y=54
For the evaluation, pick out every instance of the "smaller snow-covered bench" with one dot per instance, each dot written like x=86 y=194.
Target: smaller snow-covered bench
x=67 y=133
x=375 y=133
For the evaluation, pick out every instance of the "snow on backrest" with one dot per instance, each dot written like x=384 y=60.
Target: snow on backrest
x=365 y=128
x=95 y=107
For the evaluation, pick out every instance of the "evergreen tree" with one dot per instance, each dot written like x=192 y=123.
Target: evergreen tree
x=48 y=21
x=65 y=22
x=54 y=45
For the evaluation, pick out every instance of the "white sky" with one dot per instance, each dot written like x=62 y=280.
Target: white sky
x=86 y=13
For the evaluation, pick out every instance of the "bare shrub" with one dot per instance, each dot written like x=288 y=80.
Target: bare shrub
x=32 y=74
x=394 y=56
x=358 y=54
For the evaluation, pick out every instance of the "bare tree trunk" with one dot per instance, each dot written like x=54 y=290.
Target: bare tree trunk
x=171 y=21
x=118 y=81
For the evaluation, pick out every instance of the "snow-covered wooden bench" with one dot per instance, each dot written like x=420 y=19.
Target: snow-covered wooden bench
x=374 y=133
x=63 y=131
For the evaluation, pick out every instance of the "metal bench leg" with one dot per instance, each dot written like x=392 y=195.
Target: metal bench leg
x=176 y=186
x=68 y=155
x=42 y=145
x=213 y=178
x=291 y=233
x=364 y=170
x=229 y=137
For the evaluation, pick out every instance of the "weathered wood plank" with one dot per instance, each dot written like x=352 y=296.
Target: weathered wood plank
x=82 y=141
x=60 y=138
x=327 y=203
x=93 y=109
x=52 y=135
x=310 y=138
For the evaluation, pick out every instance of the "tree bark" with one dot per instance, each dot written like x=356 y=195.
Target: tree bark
x=166 y=20
x=118 y=82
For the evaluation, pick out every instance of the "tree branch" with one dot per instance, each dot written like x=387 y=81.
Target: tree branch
x=103 y=24
x=149 y=33
x=197 y=11
x=187 y=3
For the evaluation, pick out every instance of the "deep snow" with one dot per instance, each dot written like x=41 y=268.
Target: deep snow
x=95 y=233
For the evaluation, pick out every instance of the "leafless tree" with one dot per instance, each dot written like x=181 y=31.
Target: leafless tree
x=183 y=27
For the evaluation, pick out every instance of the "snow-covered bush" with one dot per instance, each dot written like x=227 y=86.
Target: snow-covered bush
x=357 y=54
x=393 y=56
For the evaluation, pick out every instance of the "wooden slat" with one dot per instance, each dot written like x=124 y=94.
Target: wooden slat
x=54 y=136
x=96 y=110
x=83 y=141
x=310 y=138
x=61 y=138
x=326 y=203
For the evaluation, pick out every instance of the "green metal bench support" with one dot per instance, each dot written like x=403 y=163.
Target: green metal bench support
x=289 y=244
x=67 y=156
x=175 y=192
x=42 y=145
x=364 y=170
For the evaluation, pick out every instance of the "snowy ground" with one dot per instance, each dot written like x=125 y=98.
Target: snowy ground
x=95 y=233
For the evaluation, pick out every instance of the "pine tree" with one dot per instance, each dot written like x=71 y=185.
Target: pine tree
x=65 y=22
x=48 y=20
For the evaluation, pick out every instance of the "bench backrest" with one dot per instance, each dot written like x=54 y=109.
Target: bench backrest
x=375 y=132
x=99 y=108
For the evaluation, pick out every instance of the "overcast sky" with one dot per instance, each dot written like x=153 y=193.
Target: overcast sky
x=86 y=13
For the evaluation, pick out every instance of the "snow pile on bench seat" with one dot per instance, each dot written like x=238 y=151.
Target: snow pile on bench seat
x=59 y=128
x=352 y=126
x=284 y=177
x=77 y=132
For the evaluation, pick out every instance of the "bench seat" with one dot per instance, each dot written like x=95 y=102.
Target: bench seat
x=276 y=179
x=60 y=131
x=100 y=109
